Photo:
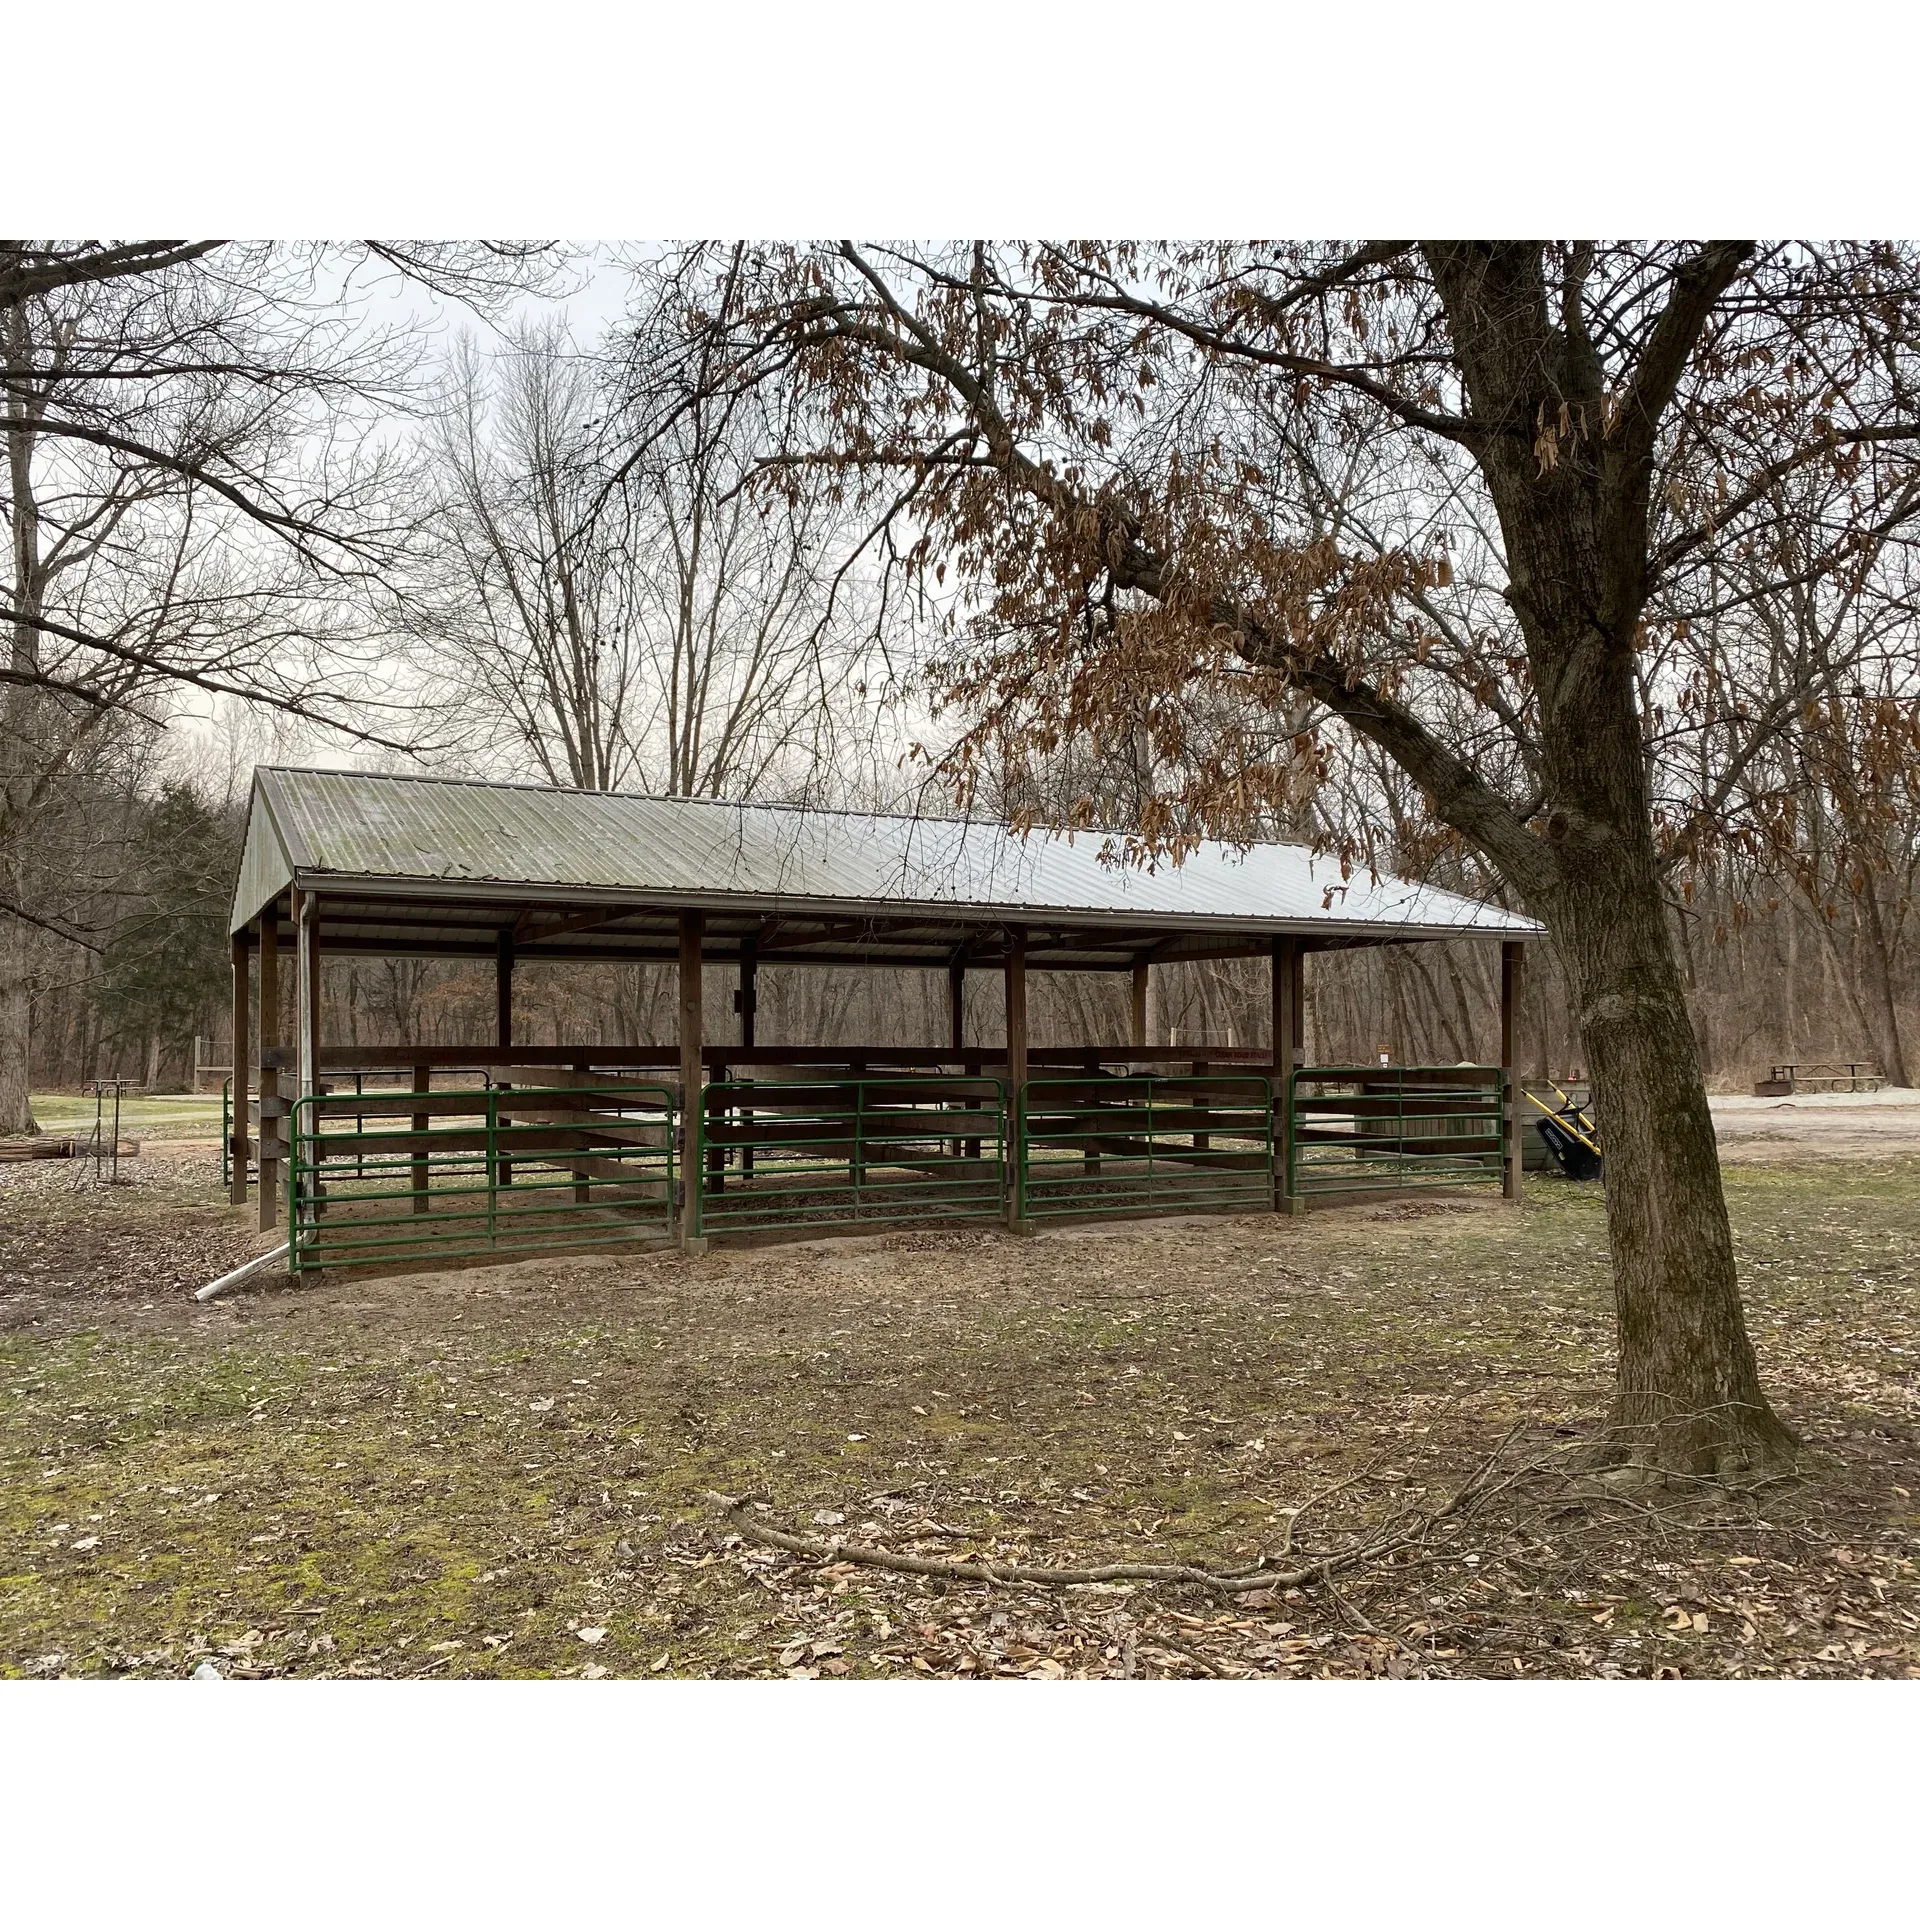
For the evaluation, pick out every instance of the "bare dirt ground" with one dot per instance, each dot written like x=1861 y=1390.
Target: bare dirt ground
x=501 y=1471
x=156 y=1229
x=1818 y=1126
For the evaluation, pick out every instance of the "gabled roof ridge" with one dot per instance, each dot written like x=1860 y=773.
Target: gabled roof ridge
x=805 y=809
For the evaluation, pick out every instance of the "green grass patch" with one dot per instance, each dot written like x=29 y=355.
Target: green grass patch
x=500 y=1473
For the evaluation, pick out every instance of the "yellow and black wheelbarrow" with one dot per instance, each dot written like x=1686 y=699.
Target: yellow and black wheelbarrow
x=1570 y=1137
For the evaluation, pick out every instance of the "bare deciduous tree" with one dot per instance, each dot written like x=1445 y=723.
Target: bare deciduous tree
x=657 y=626
x=1105 y=442
x=195 y=495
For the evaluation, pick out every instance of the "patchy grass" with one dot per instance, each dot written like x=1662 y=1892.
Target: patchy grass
x=500 y=1471
x=147 y=1116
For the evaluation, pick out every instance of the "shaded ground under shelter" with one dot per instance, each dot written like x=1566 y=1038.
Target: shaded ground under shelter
x=383 y=1154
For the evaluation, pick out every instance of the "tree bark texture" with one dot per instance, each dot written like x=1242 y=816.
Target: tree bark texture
x=19 y=724
x=16 y=1027
x=1570 y=479
x=1876 y=953
x=1687 y=1394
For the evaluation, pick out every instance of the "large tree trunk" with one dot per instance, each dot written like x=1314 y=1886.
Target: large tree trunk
x=19 y=705
x=1574 y=509
x=1688 y=1402
x=1687 y=1396
x=1876 y=958
x=16 y=1027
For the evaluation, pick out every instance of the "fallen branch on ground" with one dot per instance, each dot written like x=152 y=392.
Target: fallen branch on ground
x=1006 y=1573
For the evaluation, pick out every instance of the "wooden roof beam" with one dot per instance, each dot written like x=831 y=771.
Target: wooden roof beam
x=527 y=933
x=791 y=936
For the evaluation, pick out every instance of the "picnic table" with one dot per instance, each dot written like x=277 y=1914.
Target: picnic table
x=1820 y=1076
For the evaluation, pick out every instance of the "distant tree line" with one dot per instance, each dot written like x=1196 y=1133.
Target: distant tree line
x=571 y=568
x=145 y=945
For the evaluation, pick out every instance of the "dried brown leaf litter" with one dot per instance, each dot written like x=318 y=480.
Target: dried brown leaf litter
x=1261 y=1575
x=1286 y=1424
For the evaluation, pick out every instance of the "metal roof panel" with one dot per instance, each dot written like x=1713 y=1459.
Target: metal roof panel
x=445 y=837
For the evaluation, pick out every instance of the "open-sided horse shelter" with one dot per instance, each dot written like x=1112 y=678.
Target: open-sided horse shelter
x=382 y=1154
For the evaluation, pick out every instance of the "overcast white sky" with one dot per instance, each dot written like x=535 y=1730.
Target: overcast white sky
x=1012 y=117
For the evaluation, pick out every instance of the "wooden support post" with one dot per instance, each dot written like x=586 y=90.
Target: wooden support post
x=1297 y=966
x=583 y=1162
x=957 y=1032
x=748 y=999
x=749 y=1011
x=237 y=1132
x=1016 y=1073
x=1142 y=975
x=1288 y=1053
x=422 y=1083
x=1512 y=959
x=692 y=926
x=306 y=922
x=1282 y=986
x=503 y=1031
x=269 y=1037
x=309 y=937
x=503 y=988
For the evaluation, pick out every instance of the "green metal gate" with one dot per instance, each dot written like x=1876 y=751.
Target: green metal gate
x=380 y=1178
x=1145 y=1143
x=1366 y=1129
x=777 y=1154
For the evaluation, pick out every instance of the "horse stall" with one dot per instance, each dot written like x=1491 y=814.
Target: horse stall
x=379 y=1156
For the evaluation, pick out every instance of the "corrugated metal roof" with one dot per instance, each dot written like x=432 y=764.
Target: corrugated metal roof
x=441 y=838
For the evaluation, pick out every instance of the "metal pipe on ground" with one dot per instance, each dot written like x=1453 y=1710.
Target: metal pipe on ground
x=247 y=1270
